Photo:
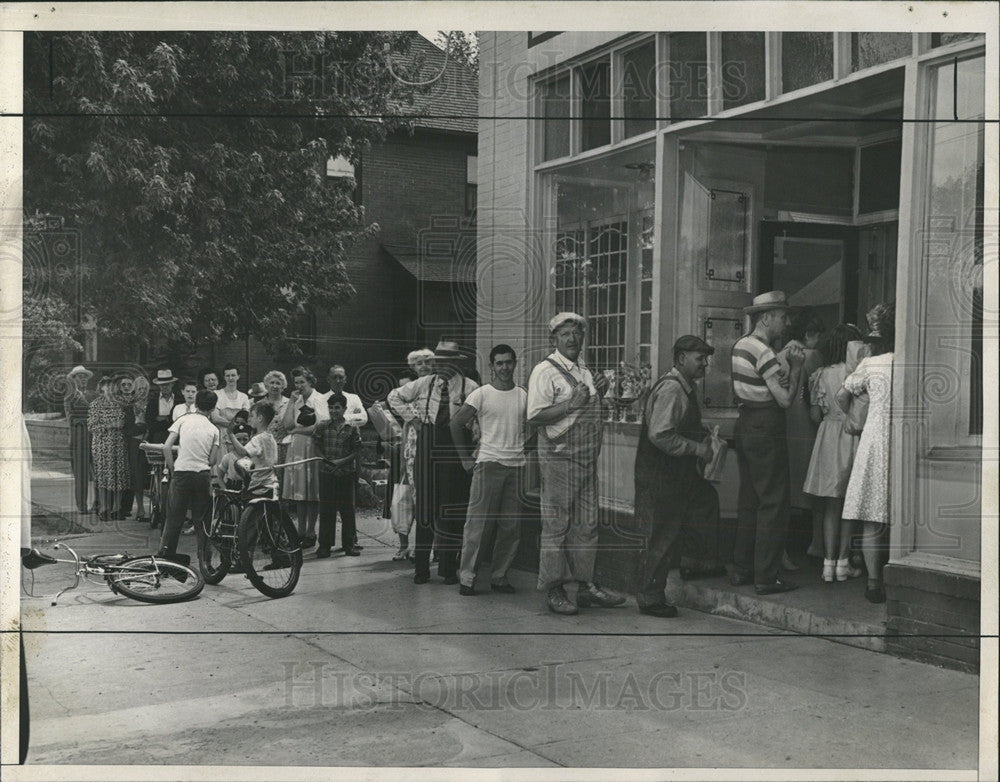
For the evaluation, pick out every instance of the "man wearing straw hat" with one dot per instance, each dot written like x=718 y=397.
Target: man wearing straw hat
x=564 y=402
x=761 y=448
x=442 y=483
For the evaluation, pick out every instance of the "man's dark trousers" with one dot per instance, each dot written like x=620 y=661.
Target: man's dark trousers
x=763 y=503
x=336 y=495
x=187 y=490
x=442 y=488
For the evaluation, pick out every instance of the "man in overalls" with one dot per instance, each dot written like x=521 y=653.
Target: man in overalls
x=673 y=502
x=442 y=483
x=564 y=402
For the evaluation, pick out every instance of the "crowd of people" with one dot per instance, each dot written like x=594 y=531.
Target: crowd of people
x=459 y=451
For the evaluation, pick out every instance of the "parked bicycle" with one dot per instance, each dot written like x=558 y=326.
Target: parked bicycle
x=159 y=483
x=148 y=578
x=254 y=535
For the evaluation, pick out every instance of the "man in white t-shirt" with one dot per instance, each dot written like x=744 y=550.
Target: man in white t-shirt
x=190 y=472
x=494 y=498
x=355 y=414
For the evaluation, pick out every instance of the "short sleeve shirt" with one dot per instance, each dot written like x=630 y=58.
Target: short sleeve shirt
x=197 y=435
x=753 y=362
x=501 y=424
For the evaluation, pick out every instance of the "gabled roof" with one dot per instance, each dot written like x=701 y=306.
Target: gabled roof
x=452 y=102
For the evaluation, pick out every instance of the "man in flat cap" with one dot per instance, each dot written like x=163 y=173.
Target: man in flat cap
x=564 y=402
x=673 y=502
x=761 y=445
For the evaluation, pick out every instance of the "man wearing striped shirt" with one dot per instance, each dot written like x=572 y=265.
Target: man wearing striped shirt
x=763 y=395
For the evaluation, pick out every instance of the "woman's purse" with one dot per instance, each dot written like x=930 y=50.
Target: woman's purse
x=307 y=416
x=857 y=414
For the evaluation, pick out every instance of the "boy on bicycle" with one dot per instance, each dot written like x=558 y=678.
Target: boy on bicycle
x=190 y=474
x=261 y=450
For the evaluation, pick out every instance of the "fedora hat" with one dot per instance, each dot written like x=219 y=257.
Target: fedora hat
x=772 y=300
x=80 y=369
x=164 y=376
x=449 y=349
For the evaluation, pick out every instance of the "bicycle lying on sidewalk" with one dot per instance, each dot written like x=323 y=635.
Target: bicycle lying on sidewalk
x=148 y=578
x=252 y=534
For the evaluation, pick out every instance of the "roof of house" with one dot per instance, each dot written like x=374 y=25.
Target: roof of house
x=452 y=102
x=431 y=268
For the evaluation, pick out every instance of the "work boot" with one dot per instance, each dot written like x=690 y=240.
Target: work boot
x=591 y=594
x=560 y=604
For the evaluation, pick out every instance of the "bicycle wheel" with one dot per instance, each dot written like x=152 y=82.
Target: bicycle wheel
x=155 y=580
x=269 y=549
x=215 y=546
x=157 y=506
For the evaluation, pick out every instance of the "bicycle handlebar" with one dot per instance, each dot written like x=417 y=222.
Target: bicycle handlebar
x=75 y=556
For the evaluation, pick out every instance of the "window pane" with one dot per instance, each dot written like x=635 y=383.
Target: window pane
x=742 y=68
x=688 y=72
x=595 y=104
x=953 y=243
x=869 y=49
x=555 y=110
x=943 y=39
x=878 y=185
x=806 y=59
x=639 y=89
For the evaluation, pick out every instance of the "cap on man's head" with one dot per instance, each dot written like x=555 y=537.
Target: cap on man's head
x=257 y=391
x=567 y=317
x=689 y=343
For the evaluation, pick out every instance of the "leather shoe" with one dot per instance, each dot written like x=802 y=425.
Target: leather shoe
x=775 y=587
x=467 y=591
x=559 y=603
x=451 y=580
x=875 y=594
x=593 y=595
x=322 y=553
x=738 y=578
x=421 y=579
x=505 y=589
x=351 y=551
x=663 y=610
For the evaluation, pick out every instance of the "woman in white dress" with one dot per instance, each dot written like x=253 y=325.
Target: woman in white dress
x=867 y=496
x=231 y=401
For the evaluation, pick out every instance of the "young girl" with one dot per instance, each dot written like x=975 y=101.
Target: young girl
x=832 y=454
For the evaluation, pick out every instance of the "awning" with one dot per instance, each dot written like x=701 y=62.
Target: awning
x=451 y=265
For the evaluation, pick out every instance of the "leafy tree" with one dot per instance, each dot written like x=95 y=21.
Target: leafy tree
x=191 y=169
x=464 y=46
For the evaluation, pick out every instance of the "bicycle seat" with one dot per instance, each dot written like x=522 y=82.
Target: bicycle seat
x=33 y=558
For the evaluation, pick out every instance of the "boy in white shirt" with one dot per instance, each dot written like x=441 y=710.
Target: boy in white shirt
x=190 y=473
x=189 y=390
x=261 y=450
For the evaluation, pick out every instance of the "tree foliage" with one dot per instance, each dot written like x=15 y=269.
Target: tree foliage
x=464 y=46
x=191 y=168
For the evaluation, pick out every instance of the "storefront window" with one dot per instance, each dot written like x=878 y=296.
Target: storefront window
x=806 y=59
x=743 y=74
x=555 y=99
x=953 y=247
x=603 y=254
x=594 y=81
x=871 y=49
x=639 y=89
x=688 y=73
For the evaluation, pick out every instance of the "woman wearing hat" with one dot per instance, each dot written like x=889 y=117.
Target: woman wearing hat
x=867 y=496
x=106 y=420
x=76 y=404
x=301 y=481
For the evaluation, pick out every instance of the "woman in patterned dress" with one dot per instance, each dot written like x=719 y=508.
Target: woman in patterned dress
x=867 y=496
x=301 y=481
x=106 y=421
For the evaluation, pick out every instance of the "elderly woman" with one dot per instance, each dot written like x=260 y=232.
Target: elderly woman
x=106 y=421
x=275 y=384
x=303 y=413
x=76 y=404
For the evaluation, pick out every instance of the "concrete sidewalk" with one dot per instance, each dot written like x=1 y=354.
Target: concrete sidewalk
x=361 y=667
